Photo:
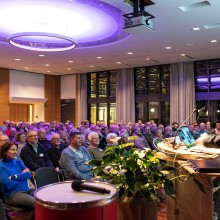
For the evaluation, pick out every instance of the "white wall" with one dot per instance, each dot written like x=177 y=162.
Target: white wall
x=28 y=85
x=68 y=87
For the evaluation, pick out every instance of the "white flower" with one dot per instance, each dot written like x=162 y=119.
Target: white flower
x=141 y=154
x=108 y=169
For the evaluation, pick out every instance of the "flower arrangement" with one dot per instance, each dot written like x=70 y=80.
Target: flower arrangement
x=136 y=173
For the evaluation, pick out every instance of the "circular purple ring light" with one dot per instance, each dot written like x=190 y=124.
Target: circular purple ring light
x=48 y=42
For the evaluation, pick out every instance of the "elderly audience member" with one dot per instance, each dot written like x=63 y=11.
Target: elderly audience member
x=20 y=141
x=55 y=150
x=140 y=142
x=75 y=157
x=42 y=138
x=112 y=139
x=3 y=139
x=33 y=154
x=95 y=152
x=14 y=177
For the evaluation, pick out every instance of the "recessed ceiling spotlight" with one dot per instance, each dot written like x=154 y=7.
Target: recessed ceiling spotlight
x=213 y=41
x=68 y=68
x=168 y=48
x=148 y=59
x=17 y=59
x=70 y=61
x=195 y=29
x=197 y=5
x=190 y=44
x=48 y=71
x=47 y=64
x=27 y=68
x=91 y=66
x=129 y=53
x=99 y=57
x=118 y=62
x=41 y=55
x=183 y=54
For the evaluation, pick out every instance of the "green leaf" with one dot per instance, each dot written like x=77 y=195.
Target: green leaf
x=132 y=163
x=168 y=167
x=169 y=188
x=130 y=180
x=95 y=162
x=109 y=150
x=199 y=185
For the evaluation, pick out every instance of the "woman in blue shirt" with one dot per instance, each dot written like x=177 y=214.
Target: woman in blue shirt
x=14 y=179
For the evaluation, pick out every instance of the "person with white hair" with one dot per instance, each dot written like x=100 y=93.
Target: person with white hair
x=112 y=139
x=95 y=152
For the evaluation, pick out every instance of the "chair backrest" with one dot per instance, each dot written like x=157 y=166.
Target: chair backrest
x=45 y=175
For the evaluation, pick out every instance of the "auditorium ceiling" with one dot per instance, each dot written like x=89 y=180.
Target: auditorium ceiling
x=57 y=37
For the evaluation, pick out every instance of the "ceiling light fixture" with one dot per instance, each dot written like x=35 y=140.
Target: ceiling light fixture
x=195 y=29
x=99 y=57
x=41 y=41
x=70 y=61
x=213 y=41
x=17 y=59
x=43 y=25
x=41 y=55
x=168 y=48
x=129 y=53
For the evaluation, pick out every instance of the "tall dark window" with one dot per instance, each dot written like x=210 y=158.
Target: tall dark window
x=207 y=87
x=102 y=97
x=152 y=93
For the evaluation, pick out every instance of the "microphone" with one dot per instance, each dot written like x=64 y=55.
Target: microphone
x=194 y=110
x=79 y=185
x=174 y=142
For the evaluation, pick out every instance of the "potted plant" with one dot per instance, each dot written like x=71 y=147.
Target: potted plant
x=137 y=174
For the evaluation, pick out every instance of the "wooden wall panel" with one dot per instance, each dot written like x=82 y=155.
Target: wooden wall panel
x=19 y=112
x=4 y=95
x=52 y=92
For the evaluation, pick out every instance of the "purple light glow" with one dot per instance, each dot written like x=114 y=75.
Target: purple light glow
x=88 y=23
x=205 y=80
x=43 y=43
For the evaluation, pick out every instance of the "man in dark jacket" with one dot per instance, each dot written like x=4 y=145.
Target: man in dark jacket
x=55 y=149
x=33 y=154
